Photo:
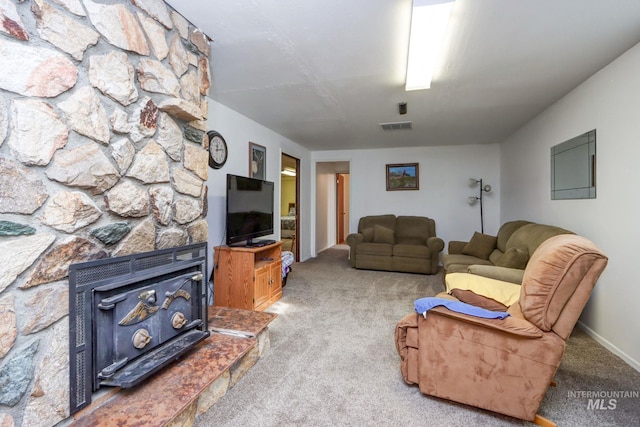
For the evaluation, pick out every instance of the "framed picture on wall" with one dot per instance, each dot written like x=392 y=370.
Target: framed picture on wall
x=403 y=176
x=257 y=161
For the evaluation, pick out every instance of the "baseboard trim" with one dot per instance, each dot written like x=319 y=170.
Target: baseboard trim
x=609 y=346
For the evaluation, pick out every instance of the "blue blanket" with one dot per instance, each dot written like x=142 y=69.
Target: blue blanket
x=423 y=305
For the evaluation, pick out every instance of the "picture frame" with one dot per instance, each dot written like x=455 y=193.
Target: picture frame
x=257 y=161
x=403 y=176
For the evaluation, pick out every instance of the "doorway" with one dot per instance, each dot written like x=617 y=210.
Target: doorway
x=342 y=207
x=290 y=204
x=332 y=215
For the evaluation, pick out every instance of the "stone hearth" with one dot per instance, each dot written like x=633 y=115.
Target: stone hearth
x=191 y=386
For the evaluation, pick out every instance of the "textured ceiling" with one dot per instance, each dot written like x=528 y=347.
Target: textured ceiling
x=325 y=73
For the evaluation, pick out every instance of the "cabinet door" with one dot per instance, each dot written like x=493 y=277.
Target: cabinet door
x=275 y=284
x=261 y=289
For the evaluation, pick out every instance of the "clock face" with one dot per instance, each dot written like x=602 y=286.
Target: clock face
x=217 y=150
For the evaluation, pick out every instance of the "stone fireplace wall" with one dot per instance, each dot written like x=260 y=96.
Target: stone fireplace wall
x=102 y=153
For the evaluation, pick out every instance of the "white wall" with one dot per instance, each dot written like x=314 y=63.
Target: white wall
x=608 y=102
x=325 y=208
x=238 y=131
x=443 y=172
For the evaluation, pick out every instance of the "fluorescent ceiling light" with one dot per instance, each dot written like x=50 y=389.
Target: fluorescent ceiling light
x=288 y=172
x=428 y=28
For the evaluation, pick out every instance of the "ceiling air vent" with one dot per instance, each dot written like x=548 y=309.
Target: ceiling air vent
x=395 y=126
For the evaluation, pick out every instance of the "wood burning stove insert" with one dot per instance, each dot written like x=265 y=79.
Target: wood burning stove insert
x=132 y=316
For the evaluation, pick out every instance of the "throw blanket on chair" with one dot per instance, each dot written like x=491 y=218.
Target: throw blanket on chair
x=423 y=305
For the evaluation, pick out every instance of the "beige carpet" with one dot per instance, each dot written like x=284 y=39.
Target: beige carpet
x=332 y=362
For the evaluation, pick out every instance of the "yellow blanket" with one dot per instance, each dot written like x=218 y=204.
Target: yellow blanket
x=505 y=292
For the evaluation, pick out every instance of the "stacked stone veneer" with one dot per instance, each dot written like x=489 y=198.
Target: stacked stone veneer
x=102 y=153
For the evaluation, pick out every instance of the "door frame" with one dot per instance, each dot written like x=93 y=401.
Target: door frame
x=296 y=248
x=341 y=235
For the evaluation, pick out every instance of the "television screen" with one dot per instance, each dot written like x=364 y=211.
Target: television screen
x=249 y=209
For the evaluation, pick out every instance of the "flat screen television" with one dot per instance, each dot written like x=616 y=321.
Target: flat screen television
x=249 y=210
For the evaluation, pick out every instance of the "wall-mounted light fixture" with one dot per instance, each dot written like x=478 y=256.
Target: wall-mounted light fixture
x=288 y=171
x=429 y=20
x=473 y=199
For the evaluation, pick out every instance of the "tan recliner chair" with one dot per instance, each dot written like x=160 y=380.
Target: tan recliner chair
x=505 y=365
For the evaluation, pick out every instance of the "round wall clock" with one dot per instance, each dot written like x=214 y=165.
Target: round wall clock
x=217 y=150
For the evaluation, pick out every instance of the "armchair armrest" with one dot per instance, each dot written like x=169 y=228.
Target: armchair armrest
x=354 y=239
x=456 y=246
x=505 y=274
x=470 y=297
x=510 y=325
x=435 y=244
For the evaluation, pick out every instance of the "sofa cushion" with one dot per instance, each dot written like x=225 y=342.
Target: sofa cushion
x=532 y=235
x=411 y=251
x=495 y=256
x=414 y=227
x=460 y=259
x=383 y=235
x=411 y=241
x=382 y=249
x=388 y=221
x=514 y=258
x=368 y=234
x=480 y=245
x=513 y=275
x=457 y=268
x=505 y=232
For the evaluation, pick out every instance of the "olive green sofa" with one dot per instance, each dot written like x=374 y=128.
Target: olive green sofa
x=404 y=243
x=501 y=257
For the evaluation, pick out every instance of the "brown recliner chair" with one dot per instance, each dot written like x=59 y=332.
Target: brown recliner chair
x=505 y=365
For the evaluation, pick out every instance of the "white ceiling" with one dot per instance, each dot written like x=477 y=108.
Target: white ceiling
x=324 y=73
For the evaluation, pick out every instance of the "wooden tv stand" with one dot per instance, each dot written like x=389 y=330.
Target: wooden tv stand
x=247 y=277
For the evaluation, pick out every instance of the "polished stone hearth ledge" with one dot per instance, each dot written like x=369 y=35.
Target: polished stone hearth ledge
x=246 y=322
x=189 y=387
